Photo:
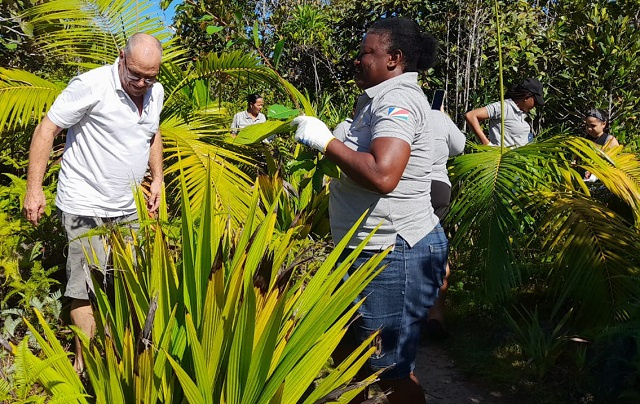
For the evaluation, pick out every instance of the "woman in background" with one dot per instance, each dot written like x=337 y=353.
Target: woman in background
x=251 y=115
x=519 y=100
x=448 y=142
x=596 y=127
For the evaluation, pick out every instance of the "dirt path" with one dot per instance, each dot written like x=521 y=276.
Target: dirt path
x=444 y=383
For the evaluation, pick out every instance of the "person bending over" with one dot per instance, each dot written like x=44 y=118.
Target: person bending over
x=112 y=114
x=519 y=100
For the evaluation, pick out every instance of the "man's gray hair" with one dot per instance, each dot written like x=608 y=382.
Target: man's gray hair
x=137 y=39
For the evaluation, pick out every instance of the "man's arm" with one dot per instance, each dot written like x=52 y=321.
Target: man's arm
x=473 y=118
x=157 y=176
x=39 y=152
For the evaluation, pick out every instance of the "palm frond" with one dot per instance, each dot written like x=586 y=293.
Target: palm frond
x=5 y=389
x=90 y=33
x=537 y=183
x=24 y=97
x=193 y=130
x=595 y=253
x=58 y=376
x=194 y=147
x=228 y=67
x=619 y=172
x=487 y=206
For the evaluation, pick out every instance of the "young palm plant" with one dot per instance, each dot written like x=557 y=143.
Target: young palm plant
x=531 y=196
x=224 y=320
x=198 y=139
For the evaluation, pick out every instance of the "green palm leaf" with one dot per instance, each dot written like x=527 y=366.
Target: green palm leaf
x=24 y=97
x=59 y=377
x=264 y=351
x=223 y=68
x=619 y=172
x=191 y=391
x=195 y=147
x=90 y=33
x=487 y=207
x=595 y=257
x=199 y=360
x=498 y=192
x=258 y=132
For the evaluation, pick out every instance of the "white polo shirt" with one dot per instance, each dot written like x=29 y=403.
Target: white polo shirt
x=107 y=145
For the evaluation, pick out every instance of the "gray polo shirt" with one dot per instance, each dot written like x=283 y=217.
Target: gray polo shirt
x=394 y=108
x=342 y=129
x=448 y=142
x=242 y=119
x=516 y=129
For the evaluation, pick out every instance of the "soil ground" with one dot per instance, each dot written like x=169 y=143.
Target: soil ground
x=443 y=383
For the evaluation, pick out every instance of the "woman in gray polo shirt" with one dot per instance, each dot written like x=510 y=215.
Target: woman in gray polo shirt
x=519 y=100
x=252 y=114
x=386 y=158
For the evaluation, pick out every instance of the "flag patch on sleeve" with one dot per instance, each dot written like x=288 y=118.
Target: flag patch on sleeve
x=399 y=113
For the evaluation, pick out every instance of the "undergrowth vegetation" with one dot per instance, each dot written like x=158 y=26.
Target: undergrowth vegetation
x=231 y=294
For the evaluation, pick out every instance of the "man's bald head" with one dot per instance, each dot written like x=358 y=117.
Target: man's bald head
x=143 y=45
x=139 y=64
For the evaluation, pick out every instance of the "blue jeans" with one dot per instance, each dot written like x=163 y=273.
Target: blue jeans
x=398 y=300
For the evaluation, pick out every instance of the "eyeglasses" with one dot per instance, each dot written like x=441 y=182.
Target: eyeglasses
x=134 y=78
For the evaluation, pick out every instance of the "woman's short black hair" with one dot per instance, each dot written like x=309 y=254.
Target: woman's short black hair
x=252 y=98
x=418 y=48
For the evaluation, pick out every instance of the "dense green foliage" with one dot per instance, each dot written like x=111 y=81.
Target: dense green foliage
x=538 y=252
x=583 y=51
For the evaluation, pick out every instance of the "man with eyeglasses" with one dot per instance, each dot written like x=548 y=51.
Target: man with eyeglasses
x=112 y=117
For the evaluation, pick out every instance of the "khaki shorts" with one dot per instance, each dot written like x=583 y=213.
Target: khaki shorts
x=78 y=267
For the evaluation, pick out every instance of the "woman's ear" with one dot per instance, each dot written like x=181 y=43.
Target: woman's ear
x=395 y=59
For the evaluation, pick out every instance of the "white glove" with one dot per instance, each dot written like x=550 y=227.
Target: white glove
x=312 y=132
x=592 y=178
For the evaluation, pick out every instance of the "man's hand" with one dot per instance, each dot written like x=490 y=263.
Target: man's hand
x=34 y=204
x=155 y=191
x=312 y=132
x=39 y=151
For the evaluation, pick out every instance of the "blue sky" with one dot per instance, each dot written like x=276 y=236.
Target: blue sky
x=168 y=14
